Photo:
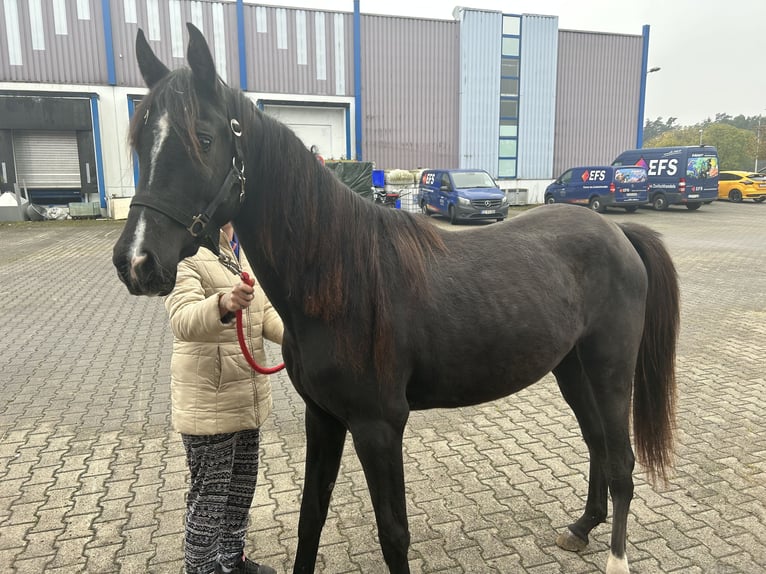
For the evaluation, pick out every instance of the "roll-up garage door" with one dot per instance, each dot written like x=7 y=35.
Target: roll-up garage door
x=47 y=160
x=321 y=126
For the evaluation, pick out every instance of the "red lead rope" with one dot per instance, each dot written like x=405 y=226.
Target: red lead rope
x=243 y=345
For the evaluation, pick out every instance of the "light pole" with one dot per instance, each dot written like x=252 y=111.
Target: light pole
x=642 y=90
x=757 y=143
x=642 y=87
x=642 y=104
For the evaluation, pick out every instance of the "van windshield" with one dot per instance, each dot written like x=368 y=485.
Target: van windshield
x=472 y=179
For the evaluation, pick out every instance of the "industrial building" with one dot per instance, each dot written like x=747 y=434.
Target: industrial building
x=509 y=93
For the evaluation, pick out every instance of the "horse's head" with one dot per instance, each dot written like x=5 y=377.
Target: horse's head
x=187 y=139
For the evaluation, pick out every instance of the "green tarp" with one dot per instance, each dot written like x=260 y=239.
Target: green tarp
x=355 y=174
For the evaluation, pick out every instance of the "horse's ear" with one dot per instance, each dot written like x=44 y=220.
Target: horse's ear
x=151 y=68
x=200 y=60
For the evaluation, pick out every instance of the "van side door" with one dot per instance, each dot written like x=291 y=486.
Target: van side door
x=590 y=182
x=630 y=184
x=558 y=187
x=701 y=175
x=444 y=191
x=427 y=195
x=574 y=189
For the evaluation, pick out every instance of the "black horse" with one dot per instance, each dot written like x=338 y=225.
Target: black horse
x=558 y=289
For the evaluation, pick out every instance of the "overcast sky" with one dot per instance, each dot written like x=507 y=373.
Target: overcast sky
x=711 y=53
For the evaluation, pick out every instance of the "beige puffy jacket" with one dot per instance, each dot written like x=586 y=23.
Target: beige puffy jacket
x=213 y=389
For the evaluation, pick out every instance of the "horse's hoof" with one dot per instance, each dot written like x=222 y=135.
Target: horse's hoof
x=568 y=540
x=616 y=565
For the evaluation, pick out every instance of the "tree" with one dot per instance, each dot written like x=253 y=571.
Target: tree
x=655 y=128
x=736 y=146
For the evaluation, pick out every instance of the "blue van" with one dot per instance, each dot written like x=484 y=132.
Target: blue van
x=462 y=194
x=600 y=187
x=686 y=175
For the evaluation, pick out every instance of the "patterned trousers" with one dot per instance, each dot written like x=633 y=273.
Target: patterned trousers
x=224 y=471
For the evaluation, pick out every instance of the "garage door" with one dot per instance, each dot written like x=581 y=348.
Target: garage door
x=324 y=127
x=47 y=160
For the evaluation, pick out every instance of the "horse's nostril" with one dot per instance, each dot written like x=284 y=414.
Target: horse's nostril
x=135 y=262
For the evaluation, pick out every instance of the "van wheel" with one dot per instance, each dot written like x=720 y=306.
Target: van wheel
x=452 y=215
x=735 y=196
x=693 y=206
x=596 y=205
x=631 y=209
x=659 y=203
x=760 y=199
x=424 y=208
x=550 y=200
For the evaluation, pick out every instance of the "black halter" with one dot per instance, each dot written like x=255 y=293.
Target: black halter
x=199 y=226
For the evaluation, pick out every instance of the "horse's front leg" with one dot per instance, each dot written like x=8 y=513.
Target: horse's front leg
x=325 y=437
x=378 y=444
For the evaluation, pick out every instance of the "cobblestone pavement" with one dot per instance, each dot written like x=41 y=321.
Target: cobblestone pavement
x=92 y=478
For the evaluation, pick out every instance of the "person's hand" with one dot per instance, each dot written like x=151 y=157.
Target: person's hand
x=240 y=297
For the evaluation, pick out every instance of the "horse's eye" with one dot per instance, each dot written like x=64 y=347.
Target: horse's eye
x=204 y=141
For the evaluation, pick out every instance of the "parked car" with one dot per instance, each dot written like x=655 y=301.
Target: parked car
x=600 y=187
x=738 y=185
x=686 y=175
x=462 y=194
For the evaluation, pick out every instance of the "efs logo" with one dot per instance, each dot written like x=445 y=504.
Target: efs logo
x=594 y=175
x=663 y=166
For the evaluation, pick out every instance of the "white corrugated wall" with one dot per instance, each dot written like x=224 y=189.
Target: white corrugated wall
x=480 y=51
x=537 y=96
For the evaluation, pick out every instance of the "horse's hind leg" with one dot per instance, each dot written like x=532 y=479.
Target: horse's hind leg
x=378 y=444
x=576 y=390
x=325 y=437
x=597 y=383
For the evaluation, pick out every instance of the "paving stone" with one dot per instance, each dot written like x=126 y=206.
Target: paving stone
x=93 y=478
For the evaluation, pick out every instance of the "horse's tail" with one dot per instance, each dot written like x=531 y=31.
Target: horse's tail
x=654 y=390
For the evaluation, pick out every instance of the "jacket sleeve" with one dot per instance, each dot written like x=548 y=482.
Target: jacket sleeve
x=193 y=316
x=272 y=323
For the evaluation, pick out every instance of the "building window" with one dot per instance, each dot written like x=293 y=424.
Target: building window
x=510 y=46
x=507 y=147
x=509 y=127
x=510 y=66
x=507 y=168
x=509 y=86
x=511 y=25
x=509 y=108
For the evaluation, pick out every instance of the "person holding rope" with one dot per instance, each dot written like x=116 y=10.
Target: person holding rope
x=219 y=402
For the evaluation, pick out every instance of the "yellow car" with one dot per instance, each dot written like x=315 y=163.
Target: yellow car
x=738 y=185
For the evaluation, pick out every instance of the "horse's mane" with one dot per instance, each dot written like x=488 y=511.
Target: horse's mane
x=341 y=258
x=346 y=258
